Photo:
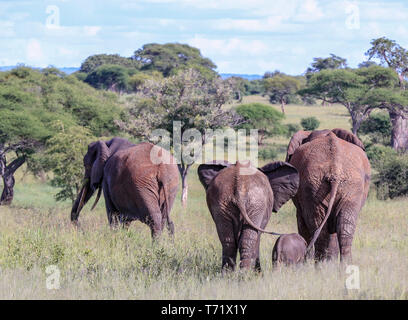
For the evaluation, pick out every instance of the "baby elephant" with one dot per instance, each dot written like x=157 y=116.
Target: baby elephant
x=289 y=249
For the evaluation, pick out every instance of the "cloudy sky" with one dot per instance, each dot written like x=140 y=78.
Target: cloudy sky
x=251 y=36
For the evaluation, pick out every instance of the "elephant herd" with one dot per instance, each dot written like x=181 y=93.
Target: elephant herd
x=326 y=174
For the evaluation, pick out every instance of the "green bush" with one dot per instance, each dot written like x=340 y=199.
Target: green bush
x=310 y=123
x=377 y=127
x=379 y=154
x=268 y=154
x=292 y=128
x=392 y=177
x=260 y=116
x=109 y=77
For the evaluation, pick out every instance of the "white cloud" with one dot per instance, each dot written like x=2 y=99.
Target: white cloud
x=34 y=53
x=6 y=29
x=228 y=47
x=308 y=11
x=71 y=31
x=383 y=11
x=91 y=30
x=270 y=24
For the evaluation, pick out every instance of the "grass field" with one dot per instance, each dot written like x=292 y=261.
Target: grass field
x=96 y=262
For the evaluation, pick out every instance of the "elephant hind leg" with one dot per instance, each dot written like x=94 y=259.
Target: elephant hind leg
x=111 y=211
x=227 y=236
x=325 y=246
x=346 y=225
x=249 y=248
x=302 y=228
x=155 y=222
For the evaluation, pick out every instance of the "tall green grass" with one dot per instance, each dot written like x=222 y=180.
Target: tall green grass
x=97 y=262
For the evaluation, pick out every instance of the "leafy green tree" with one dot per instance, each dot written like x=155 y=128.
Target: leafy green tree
x=392 y=176
x=391 y=54
x=319 y=64
x=94 y=62
x=332 y=62
x=256 y=87
x=367 y=64
x=22 y=125
x=169 y=58
x=260 y=116
x=268 y=153
x=64 y=157
x=188 y=97
x=271 y=74
x=378 y=154
x=239 y=86
x=291 y=129
x=137 y=80
x=30 y=100
x=109 y=77
x=378 y=127
x=280 y=87
x=310 y=123
x=359 y=90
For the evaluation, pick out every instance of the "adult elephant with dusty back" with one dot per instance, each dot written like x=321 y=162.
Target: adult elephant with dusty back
x=241 y=199
x=136 y=186
x=334 y=180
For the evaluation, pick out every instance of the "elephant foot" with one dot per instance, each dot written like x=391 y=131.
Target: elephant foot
x=228 y=264
x=247 y=264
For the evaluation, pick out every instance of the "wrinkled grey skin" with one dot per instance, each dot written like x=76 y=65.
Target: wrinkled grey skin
x=134 y=187
x=289 y=249
x=334 y=182
x=241 y=205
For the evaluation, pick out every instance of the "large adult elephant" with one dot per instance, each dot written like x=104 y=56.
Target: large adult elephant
x=334 y=180
x=241 y=199
x=136 y=186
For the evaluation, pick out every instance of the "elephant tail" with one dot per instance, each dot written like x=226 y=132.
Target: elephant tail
x=333 y=191
x=244 y=213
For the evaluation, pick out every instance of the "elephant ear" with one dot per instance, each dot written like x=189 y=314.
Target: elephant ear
x=102 y=154
x=284 y=180
x=208 y=171
x=296 y=141
x=116 y=144
x=349 y=137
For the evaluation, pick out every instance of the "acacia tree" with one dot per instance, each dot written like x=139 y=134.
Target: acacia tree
x=188 y=97
x=328 y=63
x=170 y=58
x=95 y=61
x=332 y=62
x=359 y=90
x=64 y=157
x=280 y=87
x=260 y=116
x=30 y=101
x=394 y=56
x=21 y=127
x=110 y=77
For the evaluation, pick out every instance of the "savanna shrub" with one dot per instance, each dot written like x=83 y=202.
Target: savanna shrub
x=379 y=154
x=392 y=177
x=268 y=154
x=377 y=127
x=292 y=128
x=310 y=123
